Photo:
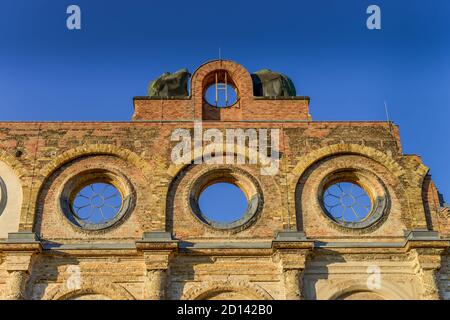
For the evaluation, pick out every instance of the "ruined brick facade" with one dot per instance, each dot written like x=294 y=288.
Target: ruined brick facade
x=290 y=249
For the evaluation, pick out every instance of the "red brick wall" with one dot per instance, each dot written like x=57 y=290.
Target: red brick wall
x=246 y=108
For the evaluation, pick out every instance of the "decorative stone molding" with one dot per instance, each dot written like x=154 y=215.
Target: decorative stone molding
x=388 y=290
x=88 y=287
x=291 y=249
x=421 y=235
x=157 y=260
x=208 y=289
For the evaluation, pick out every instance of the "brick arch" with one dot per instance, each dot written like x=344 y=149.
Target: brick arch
x=13 y=163
x=390 y=163
x=387 y=291
x=206 y=290
x=241 y=77
x=15 y=186
x=175 y=169
x=111 y=290
x=176 y=172
x=28 y=214
x=96 y=149
x=435 y=215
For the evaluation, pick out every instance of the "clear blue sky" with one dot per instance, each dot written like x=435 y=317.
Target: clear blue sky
x=50 y=73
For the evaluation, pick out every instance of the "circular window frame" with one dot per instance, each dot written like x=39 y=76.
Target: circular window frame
x=370 y=183
x=79 y=181
x=241 y=179
x=3 y=196
x=210 y=80
x=223 y=107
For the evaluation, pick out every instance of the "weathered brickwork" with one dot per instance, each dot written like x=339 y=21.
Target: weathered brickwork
x=159 y=249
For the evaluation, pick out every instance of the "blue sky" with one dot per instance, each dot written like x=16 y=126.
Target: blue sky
x=50 y=73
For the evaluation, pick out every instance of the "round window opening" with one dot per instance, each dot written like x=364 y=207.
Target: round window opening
x=353 y=199
x=96 y=200
x=347 y=202
x=3 y=196
x=226 y=199
x=223 y=202
x=97 y=203
x=221 y=95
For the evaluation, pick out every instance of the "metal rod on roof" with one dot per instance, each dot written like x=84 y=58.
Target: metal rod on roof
x=226 y=91
x=217 y=90
x=387 y=116
x=387 y=113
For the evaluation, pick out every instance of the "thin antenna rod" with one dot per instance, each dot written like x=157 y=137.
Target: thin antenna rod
x=217 y=90
x=387 y=112
x=388 y=119
x=220 y=53
x=226 y=91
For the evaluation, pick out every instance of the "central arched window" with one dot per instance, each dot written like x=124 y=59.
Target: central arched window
x=220 y=90
x=221 y=95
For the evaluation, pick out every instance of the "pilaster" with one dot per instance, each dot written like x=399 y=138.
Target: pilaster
x=157 y=248
x=19 y=251
x=291 y=248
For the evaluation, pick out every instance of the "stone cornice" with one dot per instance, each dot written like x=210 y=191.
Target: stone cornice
x=20 y=247
x=26 y=242
x=157 y=246
x=157 y=241
x=227 y=251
